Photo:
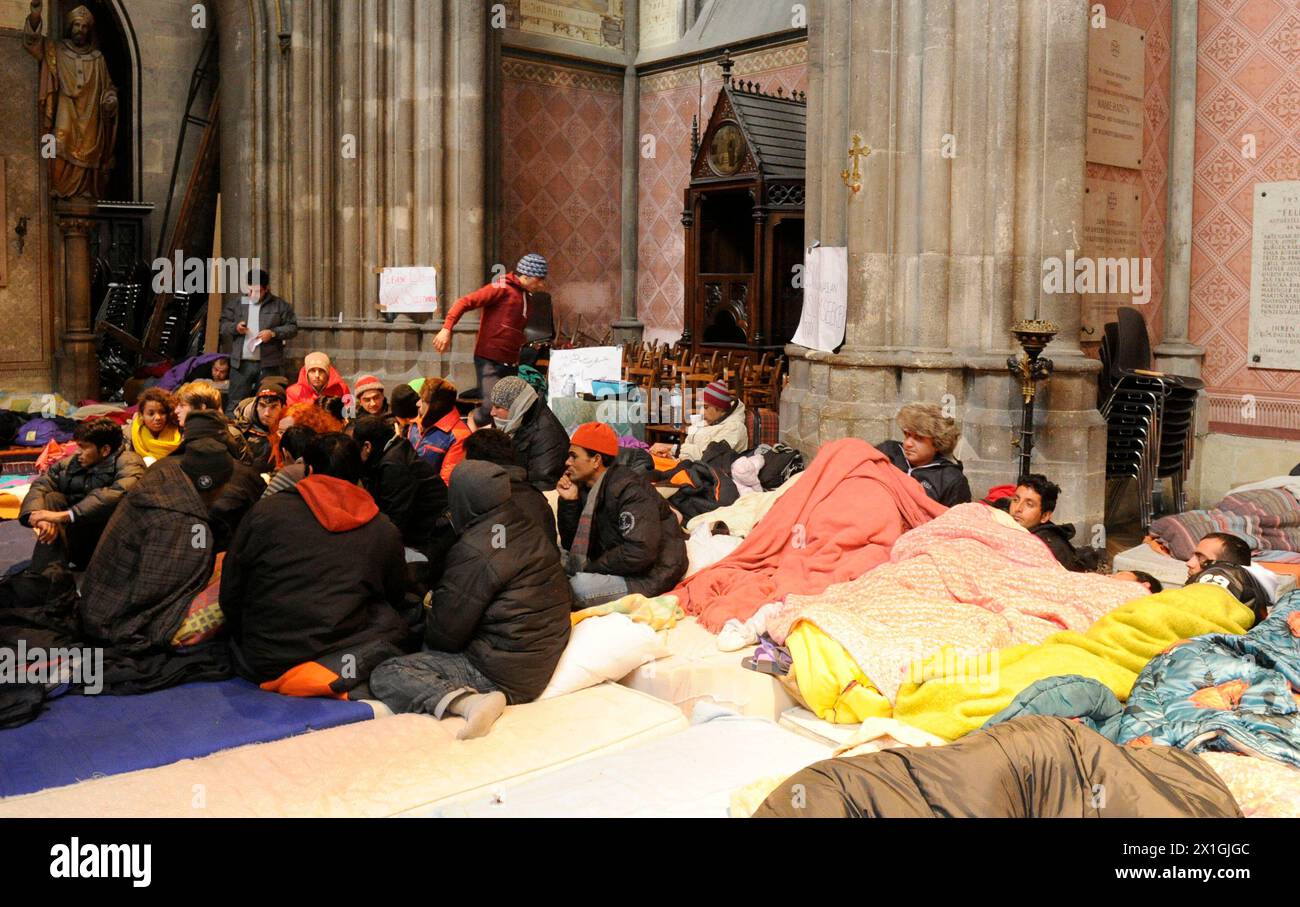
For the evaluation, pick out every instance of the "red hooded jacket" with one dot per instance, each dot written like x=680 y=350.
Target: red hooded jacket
x=501 y=325
x=301 y=391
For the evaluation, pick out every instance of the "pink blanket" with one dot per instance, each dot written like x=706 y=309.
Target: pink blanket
x=837 y=523
x=964 y=580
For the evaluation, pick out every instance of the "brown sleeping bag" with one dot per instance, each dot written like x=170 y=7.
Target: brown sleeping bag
x=1032 y=767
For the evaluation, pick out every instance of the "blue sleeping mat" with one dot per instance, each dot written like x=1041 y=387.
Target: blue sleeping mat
x=78 y=737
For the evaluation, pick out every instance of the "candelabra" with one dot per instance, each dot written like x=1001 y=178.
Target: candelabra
x=1033 y=337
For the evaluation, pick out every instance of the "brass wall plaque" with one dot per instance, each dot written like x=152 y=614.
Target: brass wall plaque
x=1116 y=87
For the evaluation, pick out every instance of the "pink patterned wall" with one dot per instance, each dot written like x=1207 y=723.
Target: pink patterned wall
x=561 y=175
x=1155 y=18
x=668 y=101
x=1247 y=83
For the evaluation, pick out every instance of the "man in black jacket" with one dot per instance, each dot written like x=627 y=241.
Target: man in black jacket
x=925 y=453
x=70 y=505
x=620 y=534
x=498 y=622
x=313 y=585
x=494 y=446
x=1032 y=505
x=540 y=441
x=253 y=330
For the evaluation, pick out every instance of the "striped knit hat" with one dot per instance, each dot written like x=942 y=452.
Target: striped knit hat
x=367 y=383
x=531 y=265
x=716 y=394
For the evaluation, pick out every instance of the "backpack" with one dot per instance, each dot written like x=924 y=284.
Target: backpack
x=779 y=464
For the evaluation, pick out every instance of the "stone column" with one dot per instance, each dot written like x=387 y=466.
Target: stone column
x=76 y=362
x=1176 y=353
x=628 y=326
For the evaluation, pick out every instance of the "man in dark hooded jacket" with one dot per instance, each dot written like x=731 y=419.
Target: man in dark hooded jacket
x=498 y=622
x=245 y=486
x=494 y=446
x=540 y=441
x=314 y=582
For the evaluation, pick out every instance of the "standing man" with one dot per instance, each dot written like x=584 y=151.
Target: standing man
x=501 y=327
x=254 y=328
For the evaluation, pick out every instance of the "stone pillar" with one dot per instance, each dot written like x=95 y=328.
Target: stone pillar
x=628 y=326
x=976 y=175
x=76 y=362
x=1176 y=353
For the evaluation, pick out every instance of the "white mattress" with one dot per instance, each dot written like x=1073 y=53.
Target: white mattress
x=1171 y=572
x=404 y=764
x=686 y=775
x=697 y=671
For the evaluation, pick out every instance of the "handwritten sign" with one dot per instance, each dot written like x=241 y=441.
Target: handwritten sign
x=825 y=298
x=408 y=289
x=572 y=371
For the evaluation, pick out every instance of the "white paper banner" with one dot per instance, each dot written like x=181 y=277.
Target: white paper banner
x=408 y=289
x=825 y=298
x=572 y=371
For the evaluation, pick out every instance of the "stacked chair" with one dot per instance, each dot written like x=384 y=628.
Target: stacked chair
x=1150 y=415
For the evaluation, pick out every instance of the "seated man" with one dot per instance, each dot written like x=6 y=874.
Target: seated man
x=620 y=534
x=316 y=378
x=70 y=505
x=495 y=446
x=202 y=396
x=369 y=392
x=925 y=453
x=438 y=434
x=258 y=420
x=1224 y=559
x=157 y=551
x=405 y=408
x=314 y=582
x=724 y=420
x=497 y=624
x=245 y=486
x=1032 y=505
x=293 y=447
x=540 y=441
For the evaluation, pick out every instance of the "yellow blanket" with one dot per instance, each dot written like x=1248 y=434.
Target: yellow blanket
x=945 y=696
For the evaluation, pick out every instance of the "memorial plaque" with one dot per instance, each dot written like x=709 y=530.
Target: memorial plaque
x=1116 y=87
x=1274 y=340
x=660 y=22
x=598 y=22
x=1112 y=224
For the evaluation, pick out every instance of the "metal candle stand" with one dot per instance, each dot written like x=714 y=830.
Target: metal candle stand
x=1033 y=337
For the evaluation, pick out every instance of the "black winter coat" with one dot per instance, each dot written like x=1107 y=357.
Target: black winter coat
x=409 y=492
x=942 y=479
x=93 y=493
x=505 y=607
x=636 y=535
x=532 y=502
x=1057 y=536
x=541 y=446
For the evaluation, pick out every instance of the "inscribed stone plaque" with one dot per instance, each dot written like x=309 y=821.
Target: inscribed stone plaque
x=1112 y=223
x=660 y=22
x=598 y=22
x=1275 y=277
x=1116 y=86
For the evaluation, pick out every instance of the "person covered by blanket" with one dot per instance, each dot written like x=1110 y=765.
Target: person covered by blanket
x=1142 y=578
x=1032 y=505
x=153 y=431
x=203 y=396
x=1224 y=559
x=158 y=550
x=723 y=420
x=293 y=443
x=925 y=453
x=316 y=378
x=258 y=420
x=540 y=441
x=369 y=392
x=408 y=491
x=620 y=534
x=70 y=505
x=438 y=434
x=299 y=624
x=504 y=304
x=498 y=622
x=495 y=446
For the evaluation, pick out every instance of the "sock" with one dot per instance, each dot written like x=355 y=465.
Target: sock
x=480 y=711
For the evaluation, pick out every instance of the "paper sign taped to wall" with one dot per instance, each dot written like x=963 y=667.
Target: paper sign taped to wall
x=408 y=289
x=825 y=298
x=572 y=371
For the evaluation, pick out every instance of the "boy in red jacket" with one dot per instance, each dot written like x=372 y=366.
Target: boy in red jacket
x=501 y=327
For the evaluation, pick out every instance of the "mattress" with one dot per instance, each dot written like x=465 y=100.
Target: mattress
x=404 y=764
x=690 y=774
x=1171 y=572
x=697 y=671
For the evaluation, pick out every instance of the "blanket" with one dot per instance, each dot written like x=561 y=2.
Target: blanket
x=810 y=539
x=659 y=613
x=742 y=516
x=1267 y=518
x=971 y=579
x=943 y=700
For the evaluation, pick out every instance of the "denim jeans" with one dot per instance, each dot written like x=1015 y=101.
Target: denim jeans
x=426 y=682
x=489 y=373
x=596 y=588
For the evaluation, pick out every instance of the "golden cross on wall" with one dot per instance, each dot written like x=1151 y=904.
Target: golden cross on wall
x=858 y=151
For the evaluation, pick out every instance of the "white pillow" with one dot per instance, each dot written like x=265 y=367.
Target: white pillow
x=603 y=648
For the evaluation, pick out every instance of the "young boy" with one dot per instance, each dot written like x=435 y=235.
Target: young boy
x=70 y=505
x=925 y=453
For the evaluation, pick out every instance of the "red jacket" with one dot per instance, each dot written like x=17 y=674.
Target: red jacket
x=501 y=326
x=302 y=391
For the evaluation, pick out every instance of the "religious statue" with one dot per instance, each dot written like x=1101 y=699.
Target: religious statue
x=78 y=104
